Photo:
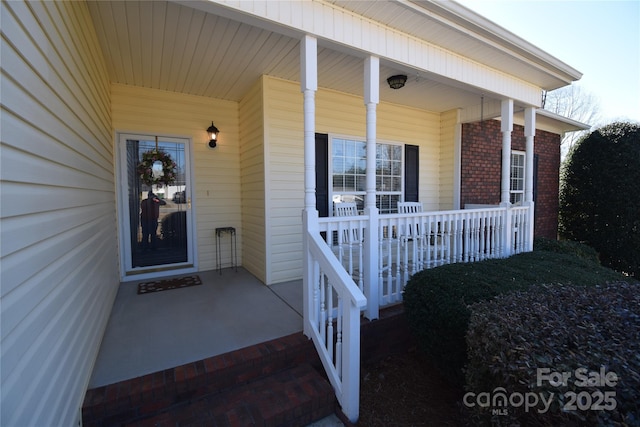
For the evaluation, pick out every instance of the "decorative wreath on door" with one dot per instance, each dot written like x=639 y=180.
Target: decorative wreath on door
x=157 y=168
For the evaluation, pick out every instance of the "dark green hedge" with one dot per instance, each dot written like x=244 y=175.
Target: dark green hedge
x=437 y=300
x=573 y=351
x=600 y=195
x=566 y=247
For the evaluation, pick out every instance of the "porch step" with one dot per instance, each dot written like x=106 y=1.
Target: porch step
x=293 y=397
x=277 y=382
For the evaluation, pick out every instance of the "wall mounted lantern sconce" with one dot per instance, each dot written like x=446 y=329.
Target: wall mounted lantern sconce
x=397 y=81
x=213 y=132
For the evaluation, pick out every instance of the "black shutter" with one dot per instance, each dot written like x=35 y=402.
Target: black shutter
x=322 y=174
x=411 y=168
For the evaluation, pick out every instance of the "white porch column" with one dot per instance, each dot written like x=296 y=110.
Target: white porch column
x=308 y=86
x=457 y=161
x=529 y=133
x=506 y=128
x=371 y=100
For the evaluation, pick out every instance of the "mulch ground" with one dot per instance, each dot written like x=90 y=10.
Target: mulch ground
x=406 y=390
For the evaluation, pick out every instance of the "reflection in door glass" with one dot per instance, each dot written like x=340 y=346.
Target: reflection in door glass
x=157 y=210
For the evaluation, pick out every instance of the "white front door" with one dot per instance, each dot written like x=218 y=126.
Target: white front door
x=155 y=215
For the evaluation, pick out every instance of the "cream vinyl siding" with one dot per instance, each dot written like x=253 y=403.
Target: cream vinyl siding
x=336 y=113
x=216 y=171
x=284 y=179
x=416 y=127
x=59 y=274
x=252 y=173
x=448 y=123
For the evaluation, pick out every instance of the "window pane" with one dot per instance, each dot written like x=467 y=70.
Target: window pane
x=349 y=182
x=349 y=165
x=362 y=166
x=349 y=173
x=361 y=149
x=387 y=203
x=396 y=168
x=397 y=152
x=350 y=149
x=517 y=177
x=396 y=184
x=338 y=147
x=386 y=182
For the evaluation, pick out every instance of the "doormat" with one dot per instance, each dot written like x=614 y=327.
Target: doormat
x=168 y=284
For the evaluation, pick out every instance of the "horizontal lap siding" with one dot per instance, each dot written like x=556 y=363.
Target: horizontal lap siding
x=217 y=171
x=252 y=173
x=449 y=122
x=416 y=127
x=284 y=179
x=336 y=113
x=59 y=273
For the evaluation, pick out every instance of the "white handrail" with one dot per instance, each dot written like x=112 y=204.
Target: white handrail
x=405 y=244
x=334 y=323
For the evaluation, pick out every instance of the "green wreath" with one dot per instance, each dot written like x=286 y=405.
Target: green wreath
x=151 y=176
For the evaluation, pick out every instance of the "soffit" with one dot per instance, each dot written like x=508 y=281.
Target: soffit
x=460 y=30
x=174 y=47
x=180 y=47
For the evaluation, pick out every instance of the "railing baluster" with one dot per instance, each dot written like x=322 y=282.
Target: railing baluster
x=338 y=356
x=323 y=307
x=329 y=336
x=360 y=241
x=406 y=243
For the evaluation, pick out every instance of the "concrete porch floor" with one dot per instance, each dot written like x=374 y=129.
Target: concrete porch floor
x=156 y=331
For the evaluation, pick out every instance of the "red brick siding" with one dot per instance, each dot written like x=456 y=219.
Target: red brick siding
x=481 y=170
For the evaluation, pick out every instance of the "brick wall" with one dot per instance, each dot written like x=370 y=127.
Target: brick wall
x=481 y=170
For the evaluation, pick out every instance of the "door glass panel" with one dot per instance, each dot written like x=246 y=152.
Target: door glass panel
x=158 y=202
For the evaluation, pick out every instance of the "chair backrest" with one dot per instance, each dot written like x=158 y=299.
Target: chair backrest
x=409 y=207
x=352 y=234
x=413 y=224
x=345 y=209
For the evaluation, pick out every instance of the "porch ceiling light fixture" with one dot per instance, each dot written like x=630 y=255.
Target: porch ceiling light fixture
x=397 y=81
x=213 y=132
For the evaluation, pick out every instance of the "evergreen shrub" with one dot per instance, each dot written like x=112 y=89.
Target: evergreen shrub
x=436 y=301
x=571 y=351
x=578 y=249
x=600 y=195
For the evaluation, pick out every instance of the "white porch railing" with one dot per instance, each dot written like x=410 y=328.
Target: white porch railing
x=408 y=243
x=337 y=286
x=332 y=321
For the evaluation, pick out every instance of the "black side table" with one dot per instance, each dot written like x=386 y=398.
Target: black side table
x=234 y=247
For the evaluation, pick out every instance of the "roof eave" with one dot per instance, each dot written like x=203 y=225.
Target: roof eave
x=568 y=125
x=491 y=33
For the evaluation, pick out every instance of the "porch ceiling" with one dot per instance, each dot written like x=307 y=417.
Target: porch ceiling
x=176 y=46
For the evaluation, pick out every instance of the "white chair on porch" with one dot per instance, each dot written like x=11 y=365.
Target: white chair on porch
x=410 y=207
x=436 y=244
x=345 y=209
x=348 y=241
x=412 y=239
